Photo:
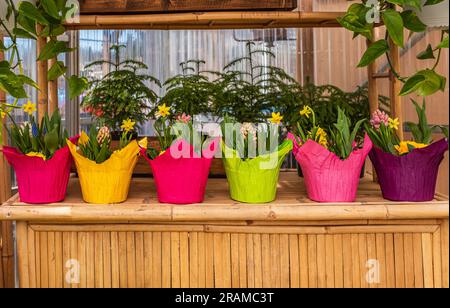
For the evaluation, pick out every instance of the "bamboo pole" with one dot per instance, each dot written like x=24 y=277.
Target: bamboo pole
x=53 y=91
x=395 y=87
x=42 y=69
x=210 y=20
x=6 y=255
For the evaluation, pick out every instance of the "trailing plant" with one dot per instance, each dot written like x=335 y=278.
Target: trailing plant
x=382 y=131
x=170 y=129
x=189 y=92
x=21 y=22
x=251 y=140
x=120 y=94
x=361 y=19
x=38 y=139
x=340 y=139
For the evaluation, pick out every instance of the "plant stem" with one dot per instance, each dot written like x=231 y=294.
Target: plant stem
x=439 y=53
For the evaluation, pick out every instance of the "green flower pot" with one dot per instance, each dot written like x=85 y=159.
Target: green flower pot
x=254 y=180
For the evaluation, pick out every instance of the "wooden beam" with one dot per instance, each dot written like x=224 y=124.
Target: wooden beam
x=6 y=238
x=210 y=20
x=373 y=96
x=153 y=6
x=42 y=69
x=52 y=91
x=306 y=41
x=395 y=87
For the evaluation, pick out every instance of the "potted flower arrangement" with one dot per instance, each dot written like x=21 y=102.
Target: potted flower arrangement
x=331 y=159
x=40 y=157
x=105 y=175
x=181 y=163
x=406 y=170
x=252 y=156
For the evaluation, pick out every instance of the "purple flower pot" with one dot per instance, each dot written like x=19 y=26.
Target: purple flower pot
x=410 y=177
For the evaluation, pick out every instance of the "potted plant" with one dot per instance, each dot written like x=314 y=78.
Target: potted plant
x=105 y=175
x=406 y=170
x=40 y=157
x=331 y=160
x=181 y=163
x=252 y=156
x=121 y=94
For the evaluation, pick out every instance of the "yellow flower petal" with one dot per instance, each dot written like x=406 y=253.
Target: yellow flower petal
x=35 y=154
x=29 y=108
x=84 y=138
x=276 y=118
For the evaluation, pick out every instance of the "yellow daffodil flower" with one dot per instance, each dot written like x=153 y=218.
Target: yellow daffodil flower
x=163 y=111
x=35 y=154
x=276 y=118
x=322 y=137
x=394 y=123
x=306 y=111
x=403 y=148
x=2 y=114
x=128 y=125
x=29 y=108
x=84 y=138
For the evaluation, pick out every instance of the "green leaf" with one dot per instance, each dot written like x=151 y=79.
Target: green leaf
x=2 y=46
x=77 y=85
x=52 y=49
x=444 y=43
x=51 y=140
x=57 y=31
x=374 y=51
x=394 y=24
x=396 y=2
x=27 y=23
x=57 y=69
x=352 y=22
x=433 y=2
x=426 y=54
x=23 y=33
x=417 y=4
x=50 y=8
x=412 y=22
x=31 y=11
x=425 y=82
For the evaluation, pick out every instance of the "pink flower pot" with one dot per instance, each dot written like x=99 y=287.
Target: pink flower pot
x=180 y=174
x=39 y=181
x=327 y=177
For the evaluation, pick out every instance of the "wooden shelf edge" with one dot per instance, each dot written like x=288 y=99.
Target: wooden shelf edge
x=128 y=213
x=209 y=20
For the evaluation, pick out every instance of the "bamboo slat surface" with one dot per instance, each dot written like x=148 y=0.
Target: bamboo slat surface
x=209 y=20
x=291 y=204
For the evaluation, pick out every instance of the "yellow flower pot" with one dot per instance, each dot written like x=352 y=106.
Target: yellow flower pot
x=108 y=182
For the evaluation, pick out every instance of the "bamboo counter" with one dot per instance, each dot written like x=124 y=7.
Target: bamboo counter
x=292 y=242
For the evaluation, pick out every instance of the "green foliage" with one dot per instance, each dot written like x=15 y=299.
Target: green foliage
x=250 y=94
x=169 y=131
x=422 y=132
x=189 y=92
x=250 y=140
x=343 y=139
x=339 y=138
x=45 y=138
x=384 y=137
x=425 y=82
x=122 y=94
x=94 y=150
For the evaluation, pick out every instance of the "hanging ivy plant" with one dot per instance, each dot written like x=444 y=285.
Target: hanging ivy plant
x=361 y=19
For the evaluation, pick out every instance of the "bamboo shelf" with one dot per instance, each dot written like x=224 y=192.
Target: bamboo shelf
x=292 y=242
x=209 y=20
x=291 y=204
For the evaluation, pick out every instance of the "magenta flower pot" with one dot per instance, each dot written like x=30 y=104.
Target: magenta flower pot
x=39 y=181
x=411 y=177
x=180 y=174
x=327 y=177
